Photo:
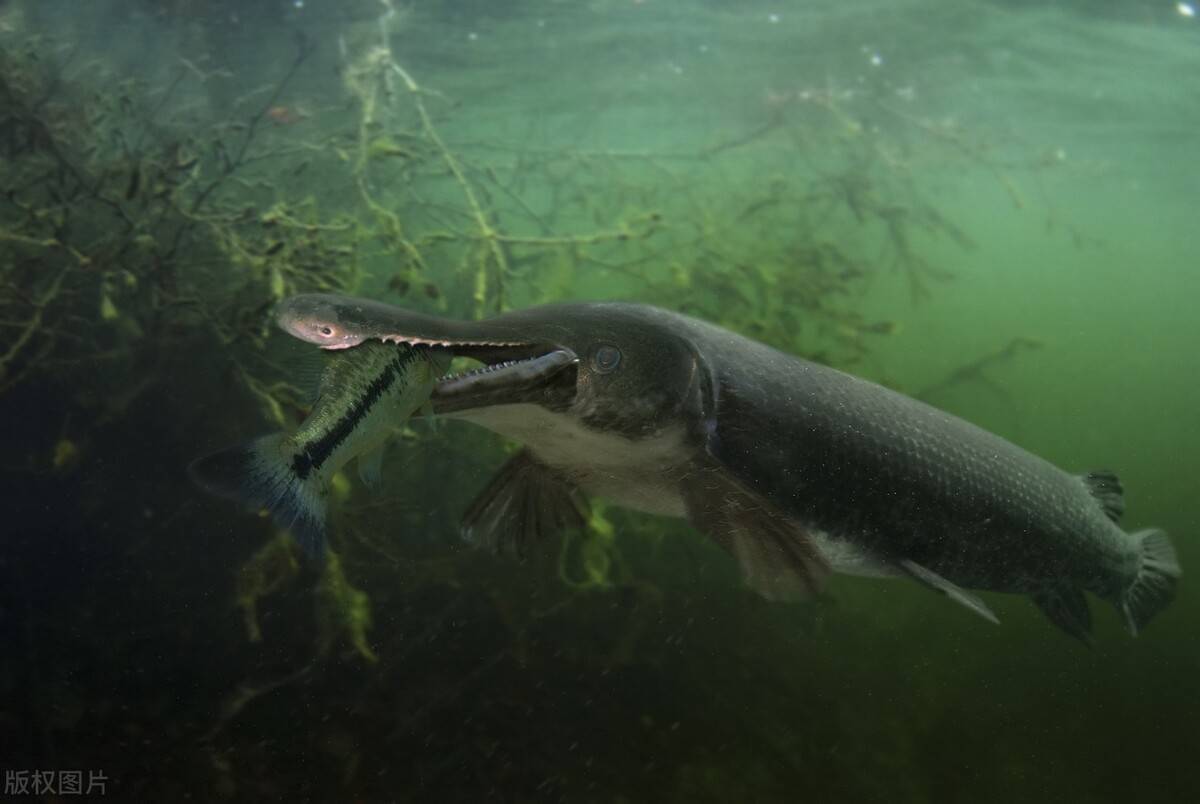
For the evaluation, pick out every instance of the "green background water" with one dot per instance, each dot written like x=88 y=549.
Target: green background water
x=1060 y=140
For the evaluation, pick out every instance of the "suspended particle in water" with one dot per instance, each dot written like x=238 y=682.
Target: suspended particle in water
x=1186 y=10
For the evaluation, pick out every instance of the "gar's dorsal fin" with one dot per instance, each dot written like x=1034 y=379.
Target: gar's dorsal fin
x=1105 y=487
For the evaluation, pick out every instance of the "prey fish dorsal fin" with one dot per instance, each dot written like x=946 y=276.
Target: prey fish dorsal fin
x=525 y=503
x=777 y=558
x=302 y=366
x=951 y=590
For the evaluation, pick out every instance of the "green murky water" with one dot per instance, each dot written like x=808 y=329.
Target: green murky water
x=990 y=206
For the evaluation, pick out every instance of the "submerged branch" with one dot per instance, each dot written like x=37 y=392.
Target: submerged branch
x=975 y=370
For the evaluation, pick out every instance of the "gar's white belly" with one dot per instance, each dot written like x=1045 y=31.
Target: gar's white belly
x=642 y=475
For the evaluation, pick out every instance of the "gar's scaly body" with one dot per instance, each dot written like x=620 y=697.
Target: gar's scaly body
x=795 y=468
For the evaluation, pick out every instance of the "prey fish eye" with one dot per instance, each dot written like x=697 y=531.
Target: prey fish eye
x=606 y=359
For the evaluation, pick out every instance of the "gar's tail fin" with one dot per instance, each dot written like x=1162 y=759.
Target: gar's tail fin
x=260 y=475
x=1154 y=586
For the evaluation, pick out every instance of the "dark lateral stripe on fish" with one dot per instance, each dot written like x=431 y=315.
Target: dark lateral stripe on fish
x=313 y=457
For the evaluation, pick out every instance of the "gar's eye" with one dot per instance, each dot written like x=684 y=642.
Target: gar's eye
x=606 y=358
x=325 y=331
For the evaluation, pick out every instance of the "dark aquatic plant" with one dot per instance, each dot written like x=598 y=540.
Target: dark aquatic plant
x=127 y=225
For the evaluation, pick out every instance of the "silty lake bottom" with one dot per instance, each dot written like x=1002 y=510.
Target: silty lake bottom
x=985 y=205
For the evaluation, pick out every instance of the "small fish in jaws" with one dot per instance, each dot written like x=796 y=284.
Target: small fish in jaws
x=364 y=393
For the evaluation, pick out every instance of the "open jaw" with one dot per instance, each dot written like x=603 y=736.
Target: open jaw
x=511 y=373
x=516 y=369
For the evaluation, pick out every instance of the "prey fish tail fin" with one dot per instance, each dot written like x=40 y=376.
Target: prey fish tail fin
x=263 y=475
x=1154 y=586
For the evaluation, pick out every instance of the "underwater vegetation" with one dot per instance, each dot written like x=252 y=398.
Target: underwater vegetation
x=165 y=182
x=131 y=205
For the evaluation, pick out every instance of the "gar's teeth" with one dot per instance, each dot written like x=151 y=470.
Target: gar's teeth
x=479 y=370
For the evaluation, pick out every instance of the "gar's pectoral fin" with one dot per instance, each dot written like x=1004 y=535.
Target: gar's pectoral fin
x=777 y=558
x=951 y=590
x=525 y=503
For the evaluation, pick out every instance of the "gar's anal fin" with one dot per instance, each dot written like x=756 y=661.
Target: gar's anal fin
x=951 y=590
x=1066 y=607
